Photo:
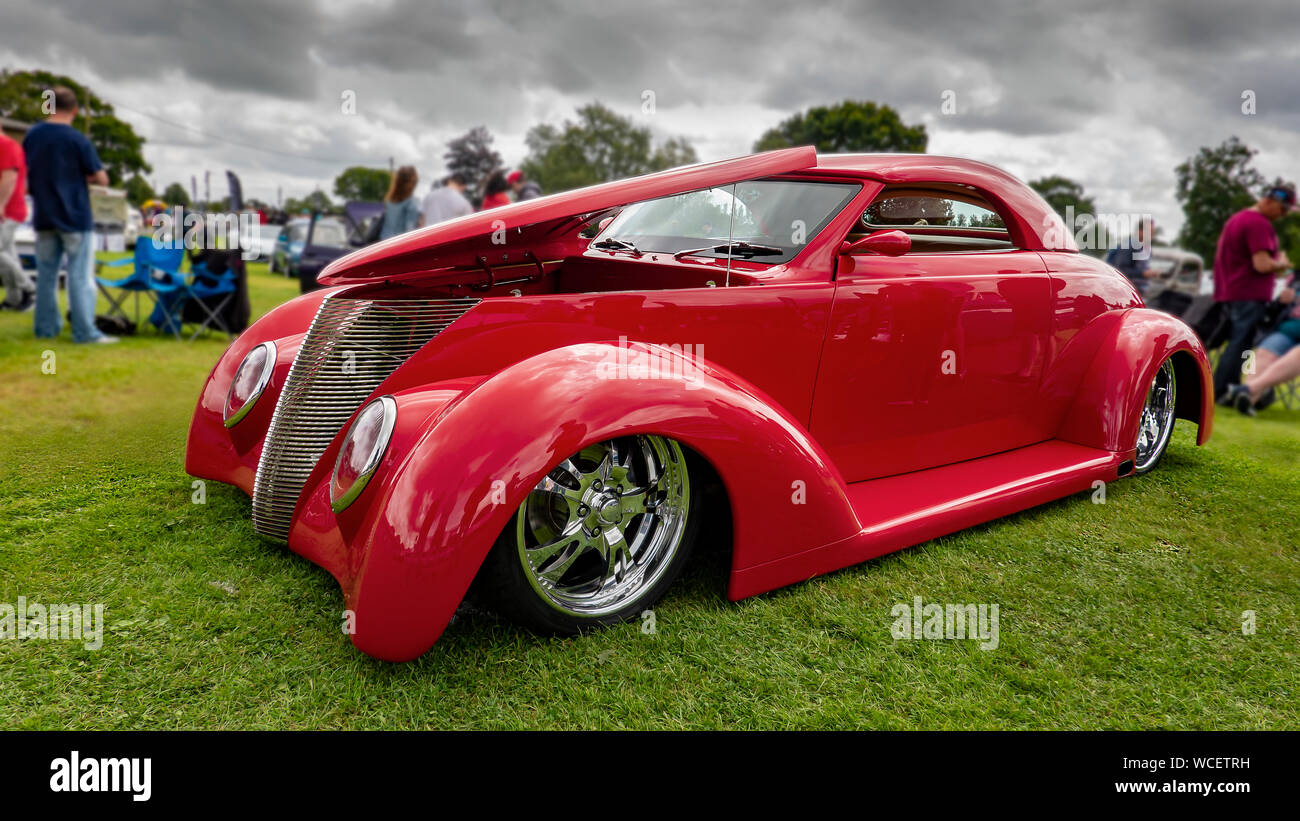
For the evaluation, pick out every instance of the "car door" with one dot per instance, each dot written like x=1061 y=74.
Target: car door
x=936 y=356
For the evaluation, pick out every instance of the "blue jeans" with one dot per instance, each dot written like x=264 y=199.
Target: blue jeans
x=50 y=249
x=1243 y=316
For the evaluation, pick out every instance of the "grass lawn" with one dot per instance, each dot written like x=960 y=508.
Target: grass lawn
x=1126 y=614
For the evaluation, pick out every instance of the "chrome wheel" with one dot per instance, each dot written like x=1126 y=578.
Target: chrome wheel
x=601 y=528
x=1157 y=421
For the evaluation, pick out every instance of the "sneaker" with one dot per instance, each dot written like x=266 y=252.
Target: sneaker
x=1228 y=397
x=106 y=340
x=1242 y=402
x=28 y=303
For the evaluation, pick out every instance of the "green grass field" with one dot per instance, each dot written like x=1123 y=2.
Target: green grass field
x=1126 y=614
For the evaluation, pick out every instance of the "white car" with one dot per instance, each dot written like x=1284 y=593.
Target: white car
x=25 y=238
x=134 y=225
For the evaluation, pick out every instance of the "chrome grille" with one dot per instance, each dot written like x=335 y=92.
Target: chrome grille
x=351 y=346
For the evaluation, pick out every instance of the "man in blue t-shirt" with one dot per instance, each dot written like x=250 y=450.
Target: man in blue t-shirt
x=61 y=163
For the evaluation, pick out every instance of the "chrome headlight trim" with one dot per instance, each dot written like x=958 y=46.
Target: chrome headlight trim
x=386 y=425
x=263 y=379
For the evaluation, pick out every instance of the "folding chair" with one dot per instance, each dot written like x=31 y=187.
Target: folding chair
x=205 y=286
x=1289 y=393
x=169 y=292
x=153 y=267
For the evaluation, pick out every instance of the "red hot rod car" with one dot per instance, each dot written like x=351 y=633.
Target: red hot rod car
x=861 y=352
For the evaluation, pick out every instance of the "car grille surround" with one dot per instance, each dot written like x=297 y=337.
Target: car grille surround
x=351 y=346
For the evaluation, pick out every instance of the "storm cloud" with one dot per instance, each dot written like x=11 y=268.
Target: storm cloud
x=1114 y=94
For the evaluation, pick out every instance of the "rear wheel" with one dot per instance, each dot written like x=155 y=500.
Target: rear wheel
x=599 y=539
x=1156 y=424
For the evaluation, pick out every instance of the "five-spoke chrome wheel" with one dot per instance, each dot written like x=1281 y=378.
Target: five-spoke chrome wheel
x=599 y=537
x=1157 y=420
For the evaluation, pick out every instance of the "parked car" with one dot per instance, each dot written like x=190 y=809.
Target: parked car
x=333 y=237
x=1180 y=279
x=134 y=226
x=25 y=238
x=288 y=245
x=263 y=242
x=830 y=358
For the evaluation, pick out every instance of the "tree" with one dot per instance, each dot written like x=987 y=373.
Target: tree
x=597 y=147
x=120 y=149
x=317 y=200
x=471 y=155
x=175 y=194
x=138 y=190
x=1062 y=193
x=849 y=126
x=361 y=183
x=1212 y=186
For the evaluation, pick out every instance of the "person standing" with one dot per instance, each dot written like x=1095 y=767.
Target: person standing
x=1246 y=262
x=524 y=188
x=401 y=211
x=1134 y=261
x=447 y=201
x=20 y=293
x=61 y=165
x=494 y=191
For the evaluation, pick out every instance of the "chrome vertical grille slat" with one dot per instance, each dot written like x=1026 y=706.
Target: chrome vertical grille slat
x=351 y=347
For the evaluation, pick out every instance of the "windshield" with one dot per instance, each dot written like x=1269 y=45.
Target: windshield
x=774 y=218
x=330 y=233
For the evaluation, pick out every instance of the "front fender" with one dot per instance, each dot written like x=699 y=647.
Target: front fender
x=419 y=533
x=1109 y=399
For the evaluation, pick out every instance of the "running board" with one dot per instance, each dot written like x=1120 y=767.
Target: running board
x=899 y=511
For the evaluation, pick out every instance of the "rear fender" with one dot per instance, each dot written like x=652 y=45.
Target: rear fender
x=1109 y=399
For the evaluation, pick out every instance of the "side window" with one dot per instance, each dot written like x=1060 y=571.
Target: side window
x=938 y=221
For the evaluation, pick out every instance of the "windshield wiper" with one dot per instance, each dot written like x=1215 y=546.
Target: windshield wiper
x=734 y=249
x=612 y=244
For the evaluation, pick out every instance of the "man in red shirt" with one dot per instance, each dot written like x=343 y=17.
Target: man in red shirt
x=19 y=290
x=1246 y=263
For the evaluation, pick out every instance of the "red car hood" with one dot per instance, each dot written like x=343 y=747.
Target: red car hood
x=501 y=236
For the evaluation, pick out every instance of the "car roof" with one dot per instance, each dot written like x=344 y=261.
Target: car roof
x=1168 y=252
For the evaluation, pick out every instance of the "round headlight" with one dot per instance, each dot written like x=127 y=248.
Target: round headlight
x=250 y=380
x=362 y=449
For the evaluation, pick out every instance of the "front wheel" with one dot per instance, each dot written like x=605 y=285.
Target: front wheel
x=1157 y=421
x=599 y=539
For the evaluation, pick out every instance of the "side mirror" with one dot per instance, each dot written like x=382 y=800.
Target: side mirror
x=603 y=224
x=892 y=243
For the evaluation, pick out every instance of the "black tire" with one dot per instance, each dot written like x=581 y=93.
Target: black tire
x=506 y=585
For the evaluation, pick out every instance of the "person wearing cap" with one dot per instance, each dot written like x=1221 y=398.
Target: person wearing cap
x=1246 y=263
x=524 y=188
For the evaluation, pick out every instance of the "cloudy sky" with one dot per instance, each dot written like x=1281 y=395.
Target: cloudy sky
x=1113 y=94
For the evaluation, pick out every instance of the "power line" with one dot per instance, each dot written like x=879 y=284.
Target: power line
x=238 y=143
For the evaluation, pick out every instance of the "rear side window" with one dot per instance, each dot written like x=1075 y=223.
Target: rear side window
x=938 y=221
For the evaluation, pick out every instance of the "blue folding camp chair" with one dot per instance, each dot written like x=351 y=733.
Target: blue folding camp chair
x=203 y=290
x=156 y=271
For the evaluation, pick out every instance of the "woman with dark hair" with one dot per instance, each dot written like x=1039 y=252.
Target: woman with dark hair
x=494 y=190
x=401 y=211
